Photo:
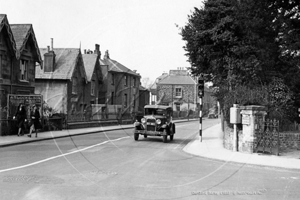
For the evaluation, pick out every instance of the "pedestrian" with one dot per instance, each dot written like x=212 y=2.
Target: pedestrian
x=35 y=121
x=21 y=119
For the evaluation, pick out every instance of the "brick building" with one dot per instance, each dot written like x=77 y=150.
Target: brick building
x=19 y=54
x=144 y=98
x=121 y=85
x=177 y=89
x=180 y=90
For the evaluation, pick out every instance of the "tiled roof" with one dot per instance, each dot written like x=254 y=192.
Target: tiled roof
x=89 y=61
x=2 y=16
x=102 y=62
x=118 y=67
x=4 y=23
x=154 y=86
x=21 y=33
x=65 y=62
x=177 y=80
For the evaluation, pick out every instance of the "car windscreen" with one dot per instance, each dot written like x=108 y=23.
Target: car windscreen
x=154 y=111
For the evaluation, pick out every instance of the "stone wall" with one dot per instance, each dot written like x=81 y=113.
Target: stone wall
x=168 y=93
x=289 y=140
x=228 y=139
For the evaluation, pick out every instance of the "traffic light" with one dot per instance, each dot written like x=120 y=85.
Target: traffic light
x=298 y=112
x=200 y=87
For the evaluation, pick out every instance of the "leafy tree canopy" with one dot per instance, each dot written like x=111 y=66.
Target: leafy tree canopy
x=245 y=42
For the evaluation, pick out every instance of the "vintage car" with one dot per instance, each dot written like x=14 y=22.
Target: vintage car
x=157 y=121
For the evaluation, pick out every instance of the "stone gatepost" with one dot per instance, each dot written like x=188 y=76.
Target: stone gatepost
x=253 y=118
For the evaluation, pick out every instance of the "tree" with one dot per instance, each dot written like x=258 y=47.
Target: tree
x=287 y=22
x=146 y=82
x=244 y=42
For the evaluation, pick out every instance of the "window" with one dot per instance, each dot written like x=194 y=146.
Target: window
x=178 y=92
x=112 y=98
x=74 y=85
x=134 y=83
x=24 y=70
x=125 y=100
x=133 y=103
x=126 y=80
x=73 y=108
x=112 y=79
x=93 y=87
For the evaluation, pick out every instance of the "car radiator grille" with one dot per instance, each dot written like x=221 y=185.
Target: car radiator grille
x=151 y=127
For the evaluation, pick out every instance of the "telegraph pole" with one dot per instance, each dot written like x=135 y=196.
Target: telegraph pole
x=200 y=95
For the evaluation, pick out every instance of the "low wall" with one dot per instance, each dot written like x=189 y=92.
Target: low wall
x=228 y=140
x=91 y=124
x=287 y=140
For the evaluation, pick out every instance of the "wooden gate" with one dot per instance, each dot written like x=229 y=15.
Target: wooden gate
x=267 y=137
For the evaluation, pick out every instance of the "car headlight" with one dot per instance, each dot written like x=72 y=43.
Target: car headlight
x=143 y=120
x=158 y=121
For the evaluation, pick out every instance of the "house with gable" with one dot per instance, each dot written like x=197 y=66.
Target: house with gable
x=62 y=81
x=19 y=54
x=177 y=89
x=180 y=90
x=122 y=87
x=7 y=58
x=91 y=61
x=28 y=55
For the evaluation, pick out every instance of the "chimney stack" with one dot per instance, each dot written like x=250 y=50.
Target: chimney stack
x=97 y=50
x=106 y=56
x=51 y=44
x=49 y=59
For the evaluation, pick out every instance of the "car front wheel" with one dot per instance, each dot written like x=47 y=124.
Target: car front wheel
x=165 y=136
x=136 y=136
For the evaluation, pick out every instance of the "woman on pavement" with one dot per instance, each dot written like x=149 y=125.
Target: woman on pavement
x=21 y=119
x=35 y=121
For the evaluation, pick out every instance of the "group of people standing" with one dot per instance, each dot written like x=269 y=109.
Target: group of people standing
x=33 y=122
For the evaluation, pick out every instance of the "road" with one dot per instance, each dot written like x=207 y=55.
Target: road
x=112 y=165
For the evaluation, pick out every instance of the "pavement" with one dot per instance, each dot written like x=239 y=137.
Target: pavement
x=211 y=146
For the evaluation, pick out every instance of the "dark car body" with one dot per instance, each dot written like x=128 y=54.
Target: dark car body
x=157 y=121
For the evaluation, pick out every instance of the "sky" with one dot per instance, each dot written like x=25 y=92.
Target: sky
x=140 y=34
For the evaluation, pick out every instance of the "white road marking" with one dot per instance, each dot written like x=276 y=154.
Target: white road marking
x=65 y=154
x=59 y=156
